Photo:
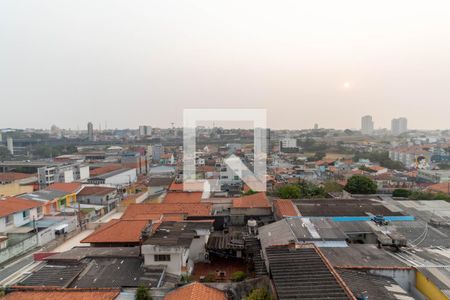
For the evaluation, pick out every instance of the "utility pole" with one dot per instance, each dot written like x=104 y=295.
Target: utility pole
x=79 y=216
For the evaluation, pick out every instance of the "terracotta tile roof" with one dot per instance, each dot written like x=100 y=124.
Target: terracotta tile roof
x=105 y=169
x=70 y=188
x=96 y=190
x=166 y=156
x=12 y=176
x=118 y=231
x=285 y=208
x=48 y=293
x=183 y=197
x=377 y=168
x=142 y=211
x=206 y=168
x=12 y=205
x=196 y=291
x=443 y=187
x=258 y=200
x=188 y=186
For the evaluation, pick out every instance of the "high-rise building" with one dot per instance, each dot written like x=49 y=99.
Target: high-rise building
x=265 y=143
x=145 y=130
x=316 y=126
x=10 y=144
x=157 y=150
x=399 y=126
x=367 y=125
x=90 y=129
x=289 y=145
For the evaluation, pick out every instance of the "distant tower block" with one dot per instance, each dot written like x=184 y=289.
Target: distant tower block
x=316 y=126
x=90 y=130
x=10 y=144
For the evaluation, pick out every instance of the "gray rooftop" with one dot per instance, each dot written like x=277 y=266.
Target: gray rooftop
x=79 y=253
x=117 y=272
x=300 y=230
x=302 y=274
x=374 y=286
x=100 y=272
x=176 y=233
x=44 y=195
x=361 y=256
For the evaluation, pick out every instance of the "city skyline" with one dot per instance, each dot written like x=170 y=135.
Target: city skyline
x=328 y=63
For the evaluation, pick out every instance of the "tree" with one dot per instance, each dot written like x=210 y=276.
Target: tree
x=382 y=157
x=310 y=190
x=249 y=192
x=142 y=293
x=401 y=193
x=319 y=155
x=332 y=187
x=444 y=166
x=259 y=294
x=238 y=276
x=359 y=184
x=210 y=277
x=428 y=196
x=290 y=191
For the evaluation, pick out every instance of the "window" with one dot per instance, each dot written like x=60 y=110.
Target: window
x=26 y=214
x=9 y=220
x=162 y=257
x=39 y=210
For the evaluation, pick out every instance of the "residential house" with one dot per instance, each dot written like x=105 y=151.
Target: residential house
x=99 y=195
x=167 y=159
x=62 y=173
x=16 y=212
x=118 y=233
x=16 y=183
x=283 y=208
x=177 y=245
x=254 y=206
x=149 y=210
x=195 y=291
x=120 y=177
x=54 y=202
x=53 y=293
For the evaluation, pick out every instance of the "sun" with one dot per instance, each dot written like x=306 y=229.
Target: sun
x=347 y=85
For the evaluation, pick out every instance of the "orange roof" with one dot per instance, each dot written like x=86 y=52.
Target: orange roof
x=258 y=200
x=377 y=168
x=166 y=156
x=143 y=210
x=39 y=293
x=12 y=205
x=443 y=187
x=12 y=176
x=206 y=168
x=332 y=169
x=196 y=291
x=285 y=208
x=105 y=169
x=183 y=197
x=96 y=190
x=118 y=231
x=188 y=186
x=70 y=188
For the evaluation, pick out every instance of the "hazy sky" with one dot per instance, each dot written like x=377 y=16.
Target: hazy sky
x=142 y=62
